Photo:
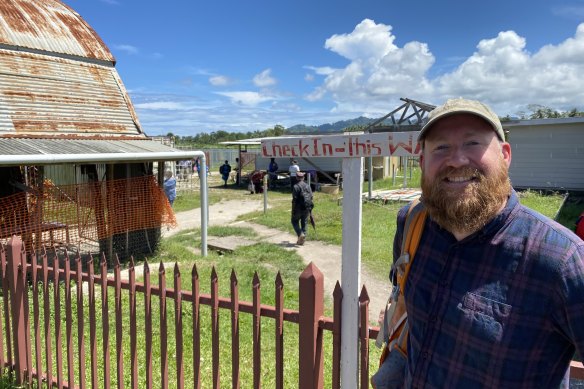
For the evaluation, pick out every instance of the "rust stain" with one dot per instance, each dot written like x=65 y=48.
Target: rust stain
x=37 y=126
x=49 y=20
x=75 y=137
x=106 y=53
x=97 y=74
x=15 y=18
x=25 y=95
x=37 y=15
x=86 y=37
x=37 y=97
x=3 y=36
x=47 y=66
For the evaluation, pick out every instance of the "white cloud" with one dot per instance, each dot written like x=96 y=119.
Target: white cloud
x=377 y=69
x=574 y=12
x=501 y=72
x=129 y=49
x=247 y=98
x=162 y=105
x=321 y=71
x=264 y=79
x=219 y=80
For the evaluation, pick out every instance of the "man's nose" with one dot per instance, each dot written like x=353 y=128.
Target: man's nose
x=458 y=158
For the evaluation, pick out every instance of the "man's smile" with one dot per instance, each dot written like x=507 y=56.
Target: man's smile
x=461 y=179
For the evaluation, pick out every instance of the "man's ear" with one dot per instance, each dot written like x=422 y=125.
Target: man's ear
x=422 y=161
x=506 y=151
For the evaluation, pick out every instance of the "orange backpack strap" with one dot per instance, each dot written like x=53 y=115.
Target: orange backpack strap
x=413 y=229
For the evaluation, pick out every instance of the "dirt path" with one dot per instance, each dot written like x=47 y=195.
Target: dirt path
x=325 y=256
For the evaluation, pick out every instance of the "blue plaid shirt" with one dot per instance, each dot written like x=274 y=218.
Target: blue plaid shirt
x=503 y=308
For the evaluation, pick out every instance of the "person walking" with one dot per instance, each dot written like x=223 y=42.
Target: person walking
x=224 y=170
x=169 y=187
x=292 y=170
x=302 y=204
x=495 y=292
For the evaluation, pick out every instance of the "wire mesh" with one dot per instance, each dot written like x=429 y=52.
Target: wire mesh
x=49 y=215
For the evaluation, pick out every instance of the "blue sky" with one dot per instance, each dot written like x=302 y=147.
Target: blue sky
x=194 y=66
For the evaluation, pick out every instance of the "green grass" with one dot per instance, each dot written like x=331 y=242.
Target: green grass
x=555 y=205
x=571 y=210
x=7 y=380
x=546 y=204
x=378 y=229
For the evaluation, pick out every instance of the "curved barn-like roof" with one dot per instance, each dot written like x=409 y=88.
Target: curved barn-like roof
x=49 y=25
x=57 y=77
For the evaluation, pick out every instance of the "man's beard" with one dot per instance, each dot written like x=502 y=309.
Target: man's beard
x=472 y=208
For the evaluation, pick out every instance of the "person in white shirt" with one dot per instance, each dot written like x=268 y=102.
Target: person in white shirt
x=293 y=169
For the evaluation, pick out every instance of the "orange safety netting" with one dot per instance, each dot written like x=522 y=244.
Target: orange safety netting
x=90 y=211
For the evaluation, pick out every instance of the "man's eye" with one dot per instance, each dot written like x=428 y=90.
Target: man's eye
x=441 y=147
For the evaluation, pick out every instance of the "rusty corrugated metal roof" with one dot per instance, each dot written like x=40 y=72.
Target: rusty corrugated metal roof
x=43 y=94
x=49 y=25
x=15 y=146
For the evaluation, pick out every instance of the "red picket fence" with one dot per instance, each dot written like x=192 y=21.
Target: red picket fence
x=23 y=330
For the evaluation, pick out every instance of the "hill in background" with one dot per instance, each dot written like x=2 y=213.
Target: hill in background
x=336 y=127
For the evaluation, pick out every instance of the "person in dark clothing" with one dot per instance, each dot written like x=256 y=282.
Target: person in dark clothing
x=273 y=172
x=301 y=206
x=225 y=169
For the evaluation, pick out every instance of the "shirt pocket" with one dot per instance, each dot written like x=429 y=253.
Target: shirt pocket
x=484 y=317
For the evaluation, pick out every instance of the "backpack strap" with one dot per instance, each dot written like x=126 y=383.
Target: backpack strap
x=413 y=229
x=395 y=325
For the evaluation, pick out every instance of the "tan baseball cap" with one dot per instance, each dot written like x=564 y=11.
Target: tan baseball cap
x=454 y=106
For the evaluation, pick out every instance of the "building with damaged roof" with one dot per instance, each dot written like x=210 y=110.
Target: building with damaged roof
x=74 y=160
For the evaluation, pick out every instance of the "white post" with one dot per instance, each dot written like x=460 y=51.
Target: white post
x=351 y=270
x=204 y=206
x=405 y=164
x=265 y=183
x=370 y=176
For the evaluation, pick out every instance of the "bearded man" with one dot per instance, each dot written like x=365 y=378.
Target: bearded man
x=495 y=293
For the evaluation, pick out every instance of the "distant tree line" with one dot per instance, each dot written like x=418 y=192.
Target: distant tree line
x=543 y=112
x=215 y=137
